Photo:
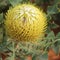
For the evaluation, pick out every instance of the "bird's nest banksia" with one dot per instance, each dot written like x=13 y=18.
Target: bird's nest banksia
x=25 y=22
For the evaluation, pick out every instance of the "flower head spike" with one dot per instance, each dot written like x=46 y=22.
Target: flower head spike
x=25 y=22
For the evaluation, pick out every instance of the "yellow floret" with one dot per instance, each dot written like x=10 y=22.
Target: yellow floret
x=25 y=22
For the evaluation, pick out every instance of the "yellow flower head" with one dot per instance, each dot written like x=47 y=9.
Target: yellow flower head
x=25 y=22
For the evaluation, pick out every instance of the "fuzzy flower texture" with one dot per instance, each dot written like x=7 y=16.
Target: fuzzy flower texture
x=25 y=22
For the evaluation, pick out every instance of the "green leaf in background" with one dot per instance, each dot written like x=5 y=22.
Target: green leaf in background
x=56 y=1
x=15 y=2
x=52 y=10
x=51 y=36
x=1 y=18
x=41 y=57
x=58 y=39
x=58 y=35
x=44 y=57
x=48 y=30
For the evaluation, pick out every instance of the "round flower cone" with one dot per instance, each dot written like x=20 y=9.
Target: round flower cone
x=25 y=22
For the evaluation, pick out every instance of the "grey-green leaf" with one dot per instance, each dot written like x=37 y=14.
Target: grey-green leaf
x=15 y=2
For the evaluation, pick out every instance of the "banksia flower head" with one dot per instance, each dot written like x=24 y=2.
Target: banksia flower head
x=25 y=22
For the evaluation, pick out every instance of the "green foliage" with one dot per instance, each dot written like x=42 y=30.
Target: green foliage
x=16 y=2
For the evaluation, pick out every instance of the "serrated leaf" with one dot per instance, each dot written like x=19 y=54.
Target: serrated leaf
x=51 y=36
x=58 y=35
x=52 y=10
x=55 y=48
